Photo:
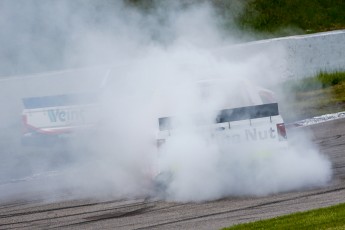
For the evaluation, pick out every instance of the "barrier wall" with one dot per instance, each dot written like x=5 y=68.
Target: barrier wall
x=300 y=56
x=310 y=54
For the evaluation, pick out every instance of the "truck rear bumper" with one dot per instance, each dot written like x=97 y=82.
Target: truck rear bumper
x=41 y=140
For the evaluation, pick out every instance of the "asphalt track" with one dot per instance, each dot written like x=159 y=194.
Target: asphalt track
x=30 y=212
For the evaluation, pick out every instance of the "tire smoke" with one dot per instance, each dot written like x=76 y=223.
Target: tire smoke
x=153 y=60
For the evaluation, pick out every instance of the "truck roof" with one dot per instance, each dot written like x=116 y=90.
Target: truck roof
x=234 y=114
x=59 y=100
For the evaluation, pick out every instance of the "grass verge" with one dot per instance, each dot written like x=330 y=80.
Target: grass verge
x=277 y=18
x=320 y=81
x=309 y=97
x=325 y=218
x=309 y=16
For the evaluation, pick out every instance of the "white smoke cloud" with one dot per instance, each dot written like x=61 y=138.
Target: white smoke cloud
x=206 y=171
x=154 y=61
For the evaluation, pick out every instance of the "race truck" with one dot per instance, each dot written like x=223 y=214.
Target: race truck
x=241 y=116
x=238 y=125
x=53 y=119
x=248 y=113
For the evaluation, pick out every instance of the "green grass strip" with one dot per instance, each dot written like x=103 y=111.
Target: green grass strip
x=325 y=218
x=314 y=96
x=310 y=16
x=309 y=97
x=320 y=81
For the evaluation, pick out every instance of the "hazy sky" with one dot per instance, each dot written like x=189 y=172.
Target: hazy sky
x=39 y=35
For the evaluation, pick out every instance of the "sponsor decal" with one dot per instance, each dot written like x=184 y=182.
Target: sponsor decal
x=58 y=115
x=254 y=134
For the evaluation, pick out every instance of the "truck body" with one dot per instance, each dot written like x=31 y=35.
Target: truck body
x=51 y=119
x=247 y=119
x=248 y=114
x=248 y=124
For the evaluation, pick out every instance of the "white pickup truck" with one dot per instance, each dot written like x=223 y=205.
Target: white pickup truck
x=247 y=117
x=237 y=125
x=248 y=114
x=52 y=119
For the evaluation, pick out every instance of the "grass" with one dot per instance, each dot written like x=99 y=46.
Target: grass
x=320 y=81
x=325 y=218
x=308 y=15
x=309 y=97
x=270 y=18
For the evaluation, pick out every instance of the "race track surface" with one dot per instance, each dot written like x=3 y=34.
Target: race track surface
x=26 y=210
